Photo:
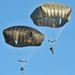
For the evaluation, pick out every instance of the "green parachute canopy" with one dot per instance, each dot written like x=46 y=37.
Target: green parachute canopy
x=51 y=14
x=21 y=36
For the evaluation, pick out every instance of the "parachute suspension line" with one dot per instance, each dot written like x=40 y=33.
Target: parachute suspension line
x=24 y=63
x=46 y=37
x=25 y=57
x=32 y=53
x=59 y=34
x=26 y=53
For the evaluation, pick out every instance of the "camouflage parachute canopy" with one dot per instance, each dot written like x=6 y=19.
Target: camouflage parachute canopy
x=51 y=14
x=21 y=36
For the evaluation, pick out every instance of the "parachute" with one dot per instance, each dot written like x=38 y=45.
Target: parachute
x=51 y=14
x=21 y=36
